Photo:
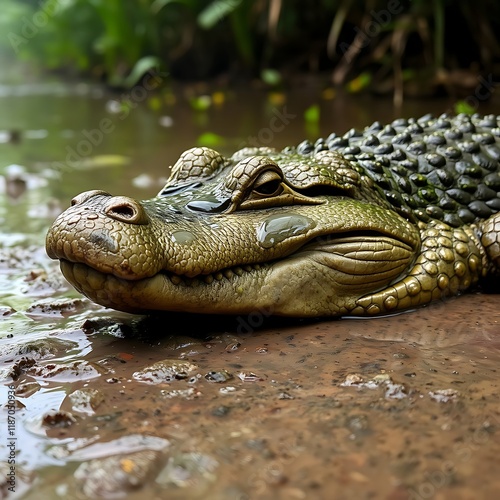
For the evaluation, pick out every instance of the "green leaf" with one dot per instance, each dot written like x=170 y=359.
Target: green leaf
x=201 y=103
x=312 y=114
x=464 y=107
x=141 y=67
x=157 y=5
x=210 y=139
x=359 y=83
x=216 y=11
x=271 y=76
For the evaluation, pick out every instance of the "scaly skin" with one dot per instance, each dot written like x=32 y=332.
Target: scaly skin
x=368 y=223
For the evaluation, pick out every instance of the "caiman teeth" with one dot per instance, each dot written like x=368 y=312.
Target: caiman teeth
x=175 y=279
x=228 y=274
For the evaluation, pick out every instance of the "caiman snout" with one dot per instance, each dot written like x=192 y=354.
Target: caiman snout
x=125 y=209
x=112 y=234
x=120 y=208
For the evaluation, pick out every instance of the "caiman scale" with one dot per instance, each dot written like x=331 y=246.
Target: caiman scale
x=366 y=223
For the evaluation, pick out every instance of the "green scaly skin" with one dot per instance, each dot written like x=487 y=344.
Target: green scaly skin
x=368 y=223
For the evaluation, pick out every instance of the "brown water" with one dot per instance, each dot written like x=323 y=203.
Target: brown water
x=108 y=404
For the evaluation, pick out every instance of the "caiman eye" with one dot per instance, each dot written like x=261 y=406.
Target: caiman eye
x=268 y=183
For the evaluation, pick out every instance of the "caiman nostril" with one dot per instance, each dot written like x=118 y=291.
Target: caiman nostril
x=126 y=209
x=82 y=197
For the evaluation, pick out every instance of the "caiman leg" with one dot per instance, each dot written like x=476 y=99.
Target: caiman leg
x=451 y=260
x=490 y=238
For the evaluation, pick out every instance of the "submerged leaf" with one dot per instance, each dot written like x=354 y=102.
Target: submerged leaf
x=359 y=83
x=100 y=161
x=312 y=114
x=210 y=139
x=271 y=76
x=201 y=103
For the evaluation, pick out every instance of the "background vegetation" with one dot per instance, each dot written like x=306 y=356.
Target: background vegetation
x=400 y=46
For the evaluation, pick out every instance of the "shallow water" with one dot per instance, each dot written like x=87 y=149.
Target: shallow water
x=399 y=407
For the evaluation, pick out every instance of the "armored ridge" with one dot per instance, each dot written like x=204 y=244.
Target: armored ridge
x=444 y=168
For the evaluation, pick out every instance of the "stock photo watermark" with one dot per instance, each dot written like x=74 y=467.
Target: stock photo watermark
x=248 y=324
x=277 y=123
x=371 y=29
x=11 y=444
x=463 y=451
x=483 y=91
x=31 y=26
x=92 y=138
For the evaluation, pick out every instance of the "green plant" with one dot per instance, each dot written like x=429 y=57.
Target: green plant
x=118 y=40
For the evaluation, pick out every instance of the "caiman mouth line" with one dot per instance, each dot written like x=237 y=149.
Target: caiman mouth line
x=177 y=279
x=239 y=270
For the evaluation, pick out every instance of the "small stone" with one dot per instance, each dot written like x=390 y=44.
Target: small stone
x=39 y=349
x=116 y=476
x=86 y=400
x=190 y=393
x=352 y=379
x=218 y=377
x=234 y=346
x=227 y=390
x=19 y=367
x=78 y=370
x=27 y=389
x=400 y=355
x=249 y=377
x=444 y=395
x=188 y=470
x=395 y=391
x=59 y=419
x=60 y=308
x=106 y=326
x=165 y=371
x=6 y=311
x=221 y=411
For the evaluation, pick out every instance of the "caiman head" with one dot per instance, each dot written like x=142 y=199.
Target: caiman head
x=260 y=231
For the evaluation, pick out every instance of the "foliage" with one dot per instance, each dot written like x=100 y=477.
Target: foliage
x=118 y=40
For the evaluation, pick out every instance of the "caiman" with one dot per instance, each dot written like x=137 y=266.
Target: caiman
x=369 y=222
